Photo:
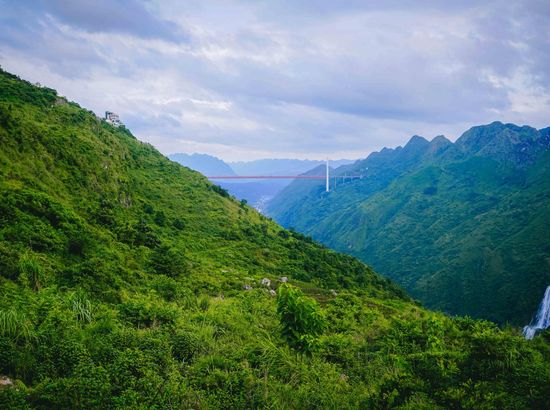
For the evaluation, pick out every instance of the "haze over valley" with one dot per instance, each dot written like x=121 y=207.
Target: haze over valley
x=256 y=192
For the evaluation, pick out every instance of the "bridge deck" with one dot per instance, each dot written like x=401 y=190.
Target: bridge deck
x=279 y=176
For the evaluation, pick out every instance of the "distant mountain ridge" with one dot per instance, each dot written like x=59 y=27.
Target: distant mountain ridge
x=205 y=164
x=257 y=193
x=469 y=219
x=210 y=165
x=281 y=166
x=502 y=142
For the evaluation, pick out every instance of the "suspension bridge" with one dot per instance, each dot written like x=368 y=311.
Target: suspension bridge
x=326 y=177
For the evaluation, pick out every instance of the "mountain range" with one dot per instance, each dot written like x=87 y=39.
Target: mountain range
x=129 y=281
x=462 y=226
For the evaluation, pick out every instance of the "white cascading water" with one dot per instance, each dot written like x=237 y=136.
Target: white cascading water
x=542 y=319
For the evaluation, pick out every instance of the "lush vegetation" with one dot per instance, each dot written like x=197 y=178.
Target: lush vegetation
x=463 y=227
x=122 y=285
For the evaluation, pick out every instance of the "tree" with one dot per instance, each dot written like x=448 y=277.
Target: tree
x=168 y=261
x=302 y=320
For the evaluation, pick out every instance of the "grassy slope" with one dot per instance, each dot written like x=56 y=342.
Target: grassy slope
x=121 y=279
x=465 y=235
x=123 y=194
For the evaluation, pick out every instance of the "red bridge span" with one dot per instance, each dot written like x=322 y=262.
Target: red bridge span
x=326 y=177
x=268 y=177
x=282 y=176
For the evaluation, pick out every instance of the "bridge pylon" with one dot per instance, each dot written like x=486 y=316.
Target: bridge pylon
x=327 y=184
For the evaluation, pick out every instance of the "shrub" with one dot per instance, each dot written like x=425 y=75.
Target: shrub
x=146 y=312
x=13 y=398
x=302 y=320
x=145 y=235
x=160 y=218
x=219 y=190
x=104 y=213
x=178 y=224
x=8 y=261
x=31 y=271
x=167 y=288
x=15 y=324
x=168 y=261
x=184 y=346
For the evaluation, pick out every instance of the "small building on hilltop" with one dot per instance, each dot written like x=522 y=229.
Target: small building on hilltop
x=112 y=118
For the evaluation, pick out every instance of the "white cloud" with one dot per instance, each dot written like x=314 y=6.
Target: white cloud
x=246 y=79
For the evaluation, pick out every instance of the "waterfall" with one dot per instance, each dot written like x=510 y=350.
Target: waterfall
x=542 y=319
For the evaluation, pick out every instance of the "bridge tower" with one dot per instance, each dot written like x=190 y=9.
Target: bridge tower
x=327 y=179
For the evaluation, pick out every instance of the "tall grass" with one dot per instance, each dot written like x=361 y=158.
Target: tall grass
x=82 y=308
x=15 y=324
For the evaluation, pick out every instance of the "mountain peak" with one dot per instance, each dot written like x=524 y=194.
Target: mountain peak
x=417 y=140
x=440 y=140
x=502 y=142
x=203 y=163
x=439 y=144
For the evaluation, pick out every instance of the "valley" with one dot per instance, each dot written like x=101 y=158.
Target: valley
x=462 y=226
x=256 y=193
x=129 y=281
x=274 y=205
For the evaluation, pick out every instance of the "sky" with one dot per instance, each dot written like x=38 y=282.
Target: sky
x=249 y=79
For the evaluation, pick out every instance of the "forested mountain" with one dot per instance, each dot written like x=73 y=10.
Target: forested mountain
x=129 y=281
x=462 y=226
x=203 y=163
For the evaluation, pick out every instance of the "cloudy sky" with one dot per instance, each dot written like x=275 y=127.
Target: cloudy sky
x=292 y=78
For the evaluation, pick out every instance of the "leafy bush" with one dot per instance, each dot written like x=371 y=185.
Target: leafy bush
x=145 y=312
x=15 y=324
x=220 y=191
x=184 y=346
x=168 y=261
x=178 y=224
x=31 y=271
x=302 y=320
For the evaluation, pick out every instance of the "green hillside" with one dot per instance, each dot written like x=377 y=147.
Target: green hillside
x=463 y=227
x=122 y=285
